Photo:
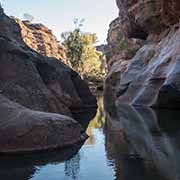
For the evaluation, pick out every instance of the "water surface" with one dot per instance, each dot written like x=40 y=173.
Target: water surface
x=135 y=144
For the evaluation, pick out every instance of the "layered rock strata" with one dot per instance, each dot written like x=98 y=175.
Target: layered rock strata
x=41 y=39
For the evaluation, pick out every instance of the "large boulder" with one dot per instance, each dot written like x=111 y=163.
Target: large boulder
x=151 y=76
x=25 y=130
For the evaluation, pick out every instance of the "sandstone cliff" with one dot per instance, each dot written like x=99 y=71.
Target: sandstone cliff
x=34 y=91
x=120 y=49
x=41 y=39
x=152 y=75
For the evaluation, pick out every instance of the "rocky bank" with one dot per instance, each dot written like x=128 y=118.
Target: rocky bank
x=38 y=95
x=144 y=54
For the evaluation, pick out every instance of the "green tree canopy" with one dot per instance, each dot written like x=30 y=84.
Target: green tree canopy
x=81 y=51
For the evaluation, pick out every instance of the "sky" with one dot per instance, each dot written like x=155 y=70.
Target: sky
x=59 y=15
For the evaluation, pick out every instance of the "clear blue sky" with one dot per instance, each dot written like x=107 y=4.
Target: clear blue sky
x=58 y=15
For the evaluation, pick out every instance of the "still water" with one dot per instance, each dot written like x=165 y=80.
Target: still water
x=134 y=144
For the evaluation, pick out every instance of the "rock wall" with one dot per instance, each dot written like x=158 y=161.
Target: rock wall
x=140 y=18
x=152 y=75
x=120 y=49
x=42 y=40
x=34 y=91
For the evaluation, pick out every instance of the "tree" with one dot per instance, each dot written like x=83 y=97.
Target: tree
x=90 y=56
x=74 y=46
x=81 y=50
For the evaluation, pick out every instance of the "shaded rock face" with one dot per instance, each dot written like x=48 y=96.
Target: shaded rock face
x=151 y=77
x=42 y=40
x=30 y=85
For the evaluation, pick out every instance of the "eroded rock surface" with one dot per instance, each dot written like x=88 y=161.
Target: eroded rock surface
x=41 y=39
x=142 y=17
x=151 y=76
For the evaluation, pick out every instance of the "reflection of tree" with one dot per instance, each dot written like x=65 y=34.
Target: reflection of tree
x=97 y=123
x=72 y=167
x=99 y=120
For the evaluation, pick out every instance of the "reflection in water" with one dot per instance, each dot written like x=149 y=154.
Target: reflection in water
x=97 y=123
x=134 y=143
x=25 y=167
x=72 y=167
x=139 y=146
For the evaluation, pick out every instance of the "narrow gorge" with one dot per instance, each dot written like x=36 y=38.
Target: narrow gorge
x=114 y=116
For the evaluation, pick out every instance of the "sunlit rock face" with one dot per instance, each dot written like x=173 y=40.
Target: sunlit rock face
x=42 y=40
x=151 y=75
x=142 y=17
x=120 y=49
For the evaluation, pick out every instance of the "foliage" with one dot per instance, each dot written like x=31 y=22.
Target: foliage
x=99 y=119
x=81 y=51
x=74 y=48
x=90 y=56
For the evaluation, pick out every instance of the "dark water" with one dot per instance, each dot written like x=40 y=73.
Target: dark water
x=134 y=144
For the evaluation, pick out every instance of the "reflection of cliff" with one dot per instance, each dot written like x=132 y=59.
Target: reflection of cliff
x=23 y=167
x=97 y=122
x=141 y=144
